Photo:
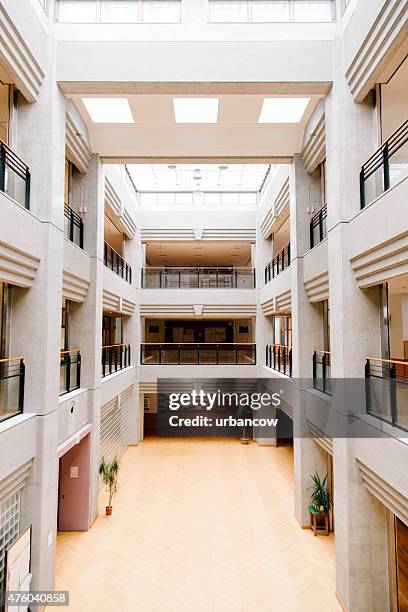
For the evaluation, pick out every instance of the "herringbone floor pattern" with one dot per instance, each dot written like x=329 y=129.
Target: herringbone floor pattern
x=199 y=525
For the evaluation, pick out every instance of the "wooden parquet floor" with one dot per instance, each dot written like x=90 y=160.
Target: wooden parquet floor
x=199 y=525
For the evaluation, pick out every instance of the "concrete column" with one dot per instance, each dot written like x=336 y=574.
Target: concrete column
x=307 y=332
x=361 y=553
x=40 y=134
x=135 y=254
x=261 y=255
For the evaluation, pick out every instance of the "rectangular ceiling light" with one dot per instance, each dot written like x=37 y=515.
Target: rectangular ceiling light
x=108 y=110
x=283 y=110
x=196 y=110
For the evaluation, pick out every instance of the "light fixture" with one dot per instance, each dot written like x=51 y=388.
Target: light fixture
x=283 y=110
x=195 y=110
x=108 y=110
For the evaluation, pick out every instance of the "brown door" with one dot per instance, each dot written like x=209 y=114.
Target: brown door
x=401 y=547
x=73 y=489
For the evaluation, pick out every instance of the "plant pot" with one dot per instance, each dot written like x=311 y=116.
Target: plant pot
x=244 y=440
x=108 y=510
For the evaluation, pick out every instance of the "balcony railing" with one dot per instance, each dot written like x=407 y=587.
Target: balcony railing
x=318 y=227
x=322 y=371
x=70 y=371
x=15 y=179
x=201 y=278
x=198 y=354
x=12 y=375
x=279 y=357
x=278 y=264
x=73 y=226
x=115 y=357
x=387 y=391
x=386 y=167
x=117 y=264
x=258 y=11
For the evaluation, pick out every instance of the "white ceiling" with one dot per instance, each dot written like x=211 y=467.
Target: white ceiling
x=207 y=177
x=155 y=135
x=198 y=253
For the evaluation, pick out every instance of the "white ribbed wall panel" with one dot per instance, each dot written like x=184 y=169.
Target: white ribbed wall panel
x=115 y=425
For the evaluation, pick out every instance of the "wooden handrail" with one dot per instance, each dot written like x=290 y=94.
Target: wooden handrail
x=322 y=351
x=113 y=345
x=226 y=267
x=115 y=251
x=286 y=346
x=69 y=351
x=200 y=343
x=14 y=153
x=385 y=141
x=404 y=363
x=11 y=359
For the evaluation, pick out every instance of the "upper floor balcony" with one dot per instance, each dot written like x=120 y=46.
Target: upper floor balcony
x=70 y=371
x=279 y=358
x=198 y=278
x=73 y=226
x=117 y=264
x=15 y=178
x=278 y=264
x=190 y=353
x=318 y=227
x=322 y=371
x=387 y=390
x=386 y=167
x=12 y=376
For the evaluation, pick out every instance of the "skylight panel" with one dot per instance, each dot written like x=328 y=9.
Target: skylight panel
x=108 y=110
x=195 y=110
x=283 y=110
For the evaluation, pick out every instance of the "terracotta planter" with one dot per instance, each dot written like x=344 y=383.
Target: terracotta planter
x=108 y=510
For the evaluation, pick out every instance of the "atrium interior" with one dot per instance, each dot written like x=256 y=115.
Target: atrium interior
x=204 y=195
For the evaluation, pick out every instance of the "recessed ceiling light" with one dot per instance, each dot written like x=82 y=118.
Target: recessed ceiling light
x=108 y=110
x=283 y=110
x=196 y=110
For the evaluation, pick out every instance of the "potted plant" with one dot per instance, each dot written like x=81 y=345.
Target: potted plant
x=109 y=472
x=320 y=497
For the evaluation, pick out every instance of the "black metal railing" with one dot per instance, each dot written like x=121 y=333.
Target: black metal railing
x=115 y=357
x=116 y=263
x=278 y=264
x=279 y=357
x=15 y=179
x=318 y=227
x=387 y=391
x=198 y=354
x=386 y=167
x=73 y=226
x=202 y=278
x=322 y=371
x=70 y=371
x=12 y=376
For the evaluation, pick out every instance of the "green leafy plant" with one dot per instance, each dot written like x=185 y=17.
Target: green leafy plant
x=109 y=472
x=319 y=494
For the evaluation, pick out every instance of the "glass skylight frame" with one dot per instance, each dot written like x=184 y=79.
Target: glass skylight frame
x=205 y=111
x=281 y=110
x=122 y=114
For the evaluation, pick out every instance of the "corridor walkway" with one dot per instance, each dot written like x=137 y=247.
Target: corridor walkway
x=199 y=526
